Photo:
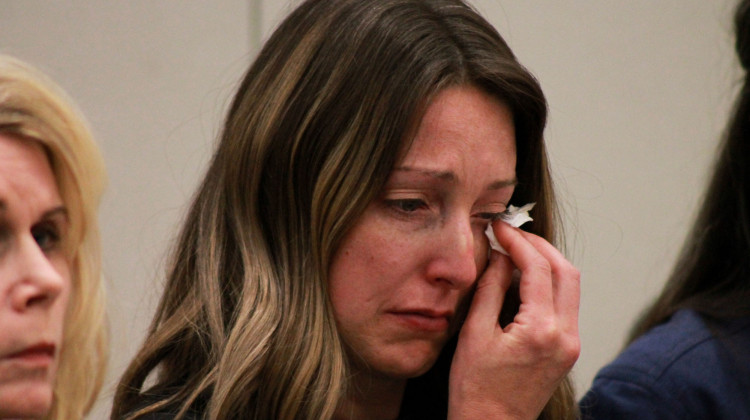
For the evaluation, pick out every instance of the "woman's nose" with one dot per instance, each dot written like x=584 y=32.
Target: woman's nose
x=455 y=260
x=36 y=283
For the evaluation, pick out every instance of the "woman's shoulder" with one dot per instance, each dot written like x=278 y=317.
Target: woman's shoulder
x=684 y=344
x=681 y=360
x=664 y=345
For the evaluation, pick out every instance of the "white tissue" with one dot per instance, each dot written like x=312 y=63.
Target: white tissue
x=514 y=216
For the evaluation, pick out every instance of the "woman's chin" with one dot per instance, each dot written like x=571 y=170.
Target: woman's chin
x=408 y=365
x=32 y=401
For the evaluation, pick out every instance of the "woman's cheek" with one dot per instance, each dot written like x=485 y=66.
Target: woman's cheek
x=481 y=251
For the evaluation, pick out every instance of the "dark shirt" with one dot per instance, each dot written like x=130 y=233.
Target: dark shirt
x=681 y=369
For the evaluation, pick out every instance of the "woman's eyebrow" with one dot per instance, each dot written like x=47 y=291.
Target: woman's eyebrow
x=59 y=211
x=451 y=177
x=442 y=175
x=503 y=183
x=56 y=212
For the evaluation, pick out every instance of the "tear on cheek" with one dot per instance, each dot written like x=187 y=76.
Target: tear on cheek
x=514 y=216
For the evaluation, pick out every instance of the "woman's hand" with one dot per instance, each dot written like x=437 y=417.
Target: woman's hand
x=511 y=372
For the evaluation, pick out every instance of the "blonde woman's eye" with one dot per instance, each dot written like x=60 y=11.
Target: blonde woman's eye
x=47 y=236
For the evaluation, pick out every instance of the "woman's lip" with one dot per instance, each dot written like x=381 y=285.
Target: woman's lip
x=424 y=320
x=38 y=353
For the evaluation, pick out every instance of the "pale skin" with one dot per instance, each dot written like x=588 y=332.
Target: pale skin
x=34 y=278
x=404 y=274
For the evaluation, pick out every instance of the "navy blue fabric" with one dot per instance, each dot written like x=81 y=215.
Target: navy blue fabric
x=679 y=370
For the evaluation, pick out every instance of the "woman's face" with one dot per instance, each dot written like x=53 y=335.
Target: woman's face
x=400 y=280
x=34 y=278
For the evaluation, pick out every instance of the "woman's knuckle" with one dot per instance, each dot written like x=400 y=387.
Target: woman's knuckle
x=571 y=350
x=547 y=336
x=573 y=273
x=541 y=266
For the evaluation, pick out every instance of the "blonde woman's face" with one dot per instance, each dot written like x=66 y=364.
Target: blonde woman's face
x=401 y=278
x=34 y=278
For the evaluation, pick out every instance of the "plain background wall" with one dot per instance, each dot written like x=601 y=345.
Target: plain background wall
x=639 y=91
x=153 y=78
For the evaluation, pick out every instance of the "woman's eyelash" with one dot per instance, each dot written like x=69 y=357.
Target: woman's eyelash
x=407 y=205
x=492 y=216
x=410 y=205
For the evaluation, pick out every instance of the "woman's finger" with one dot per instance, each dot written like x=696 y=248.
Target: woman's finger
x=536 y=272
x=489 y=294
x=566 y=279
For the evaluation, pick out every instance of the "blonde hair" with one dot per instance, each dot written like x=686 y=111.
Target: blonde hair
x=33 y=107
x=244 y=328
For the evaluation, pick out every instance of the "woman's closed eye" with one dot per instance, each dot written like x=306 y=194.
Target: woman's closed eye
x=490 y=216
x=407 y=205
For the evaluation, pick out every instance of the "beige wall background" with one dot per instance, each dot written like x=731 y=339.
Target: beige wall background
x=639 y=91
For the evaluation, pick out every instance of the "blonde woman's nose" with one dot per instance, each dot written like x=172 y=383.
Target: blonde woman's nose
x=36 y=281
